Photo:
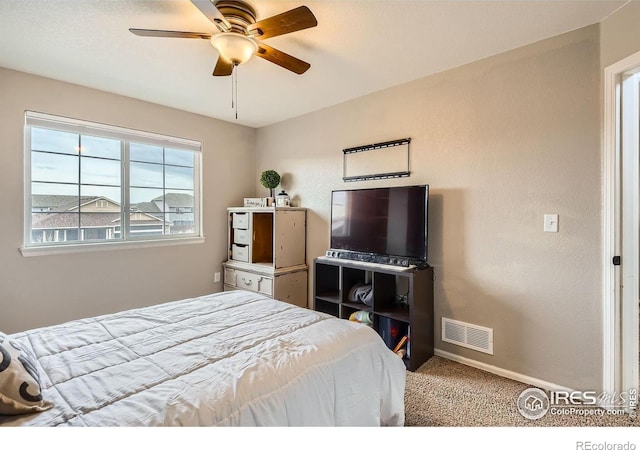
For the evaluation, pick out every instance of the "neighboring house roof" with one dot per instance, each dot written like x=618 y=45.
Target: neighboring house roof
x=149 y=207
x=176 y=200
x=59 y=202
x=52 y=219
x=67 y=202
x=147 y=219
x=84 y=201
x=90 y=220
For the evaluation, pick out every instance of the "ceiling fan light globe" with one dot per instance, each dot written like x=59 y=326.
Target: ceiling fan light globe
x=234 y=47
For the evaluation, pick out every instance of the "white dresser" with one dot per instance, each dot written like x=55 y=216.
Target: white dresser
x=267 y=252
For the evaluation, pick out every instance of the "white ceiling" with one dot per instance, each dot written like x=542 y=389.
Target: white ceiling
x=358 y=47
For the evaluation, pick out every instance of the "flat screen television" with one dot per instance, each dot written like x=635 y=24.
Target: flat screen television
x=386 y=225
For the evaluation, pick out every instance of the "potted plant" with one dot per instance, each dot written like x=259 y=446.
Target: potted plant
x=270 y=179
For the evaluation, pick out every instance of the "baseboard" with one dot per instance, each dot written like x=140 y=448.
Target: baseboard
x=542 y=384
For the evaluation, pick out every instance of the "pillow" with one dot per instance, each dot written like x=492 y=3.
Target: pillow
x=20 y=390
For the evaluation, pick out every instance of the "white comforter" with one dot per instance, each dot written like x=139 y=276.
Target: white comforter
x=234 y=358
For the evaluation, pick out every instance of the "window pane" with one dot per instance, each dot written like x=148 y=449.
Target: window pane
x=56 y=168
x=178 y=157
x=148 y=207
x=54 y=227
x=180 y=228
x=178 y=200
x=110 y=195
x=179 y=208
x=54 y=203
x=54 y=141
x=145 y=224
x=145 y=153
x=146 y=175
x=141 y=195
x=99 y=226
x=100 y=171
x=49 y=197
x=178 y=177
x=101 y=147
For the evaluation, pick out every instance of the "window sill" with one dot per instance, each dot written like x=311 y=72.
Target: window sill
x=100 y=246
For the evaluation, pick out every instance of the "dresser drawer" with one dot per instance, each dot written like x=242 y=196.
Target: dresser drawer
x=254 y=282
x=240 y=252
x=241 y=220
x=241 y=236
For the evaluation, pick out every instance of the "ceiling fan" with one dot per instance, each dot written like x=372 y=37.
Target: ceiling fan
x=241 y=35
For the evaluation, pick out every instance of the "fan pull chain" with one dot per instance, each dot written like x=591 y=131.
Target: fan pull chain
x=234 y=89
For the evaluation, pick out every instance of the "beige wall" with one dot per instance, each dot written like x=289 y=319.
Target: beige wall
x=38 y=291
x=620 y=34
x=501 y=142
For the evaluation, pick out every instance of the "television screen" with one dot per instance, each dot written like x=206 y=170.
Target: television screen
x=381 y=221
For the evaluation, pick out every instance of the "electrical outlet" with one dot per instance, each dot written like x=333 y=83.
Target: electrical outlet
x=216 y=277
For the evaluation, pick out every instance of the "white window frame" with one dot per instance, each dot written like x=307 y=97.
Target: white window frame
x=125 y=135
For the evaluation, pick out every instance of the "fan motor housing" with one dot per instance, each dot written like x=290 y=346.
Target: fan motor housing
x=238 y=13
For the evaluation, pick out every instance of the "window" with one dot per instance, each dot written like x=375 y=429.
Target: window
x=92 y=183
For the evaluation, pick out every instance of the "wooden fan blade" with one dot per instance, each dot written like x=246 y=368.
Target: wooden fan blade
x=294 y=20
x=223 y=68
x=171 y=34
x=282 y=59
x=212 y=13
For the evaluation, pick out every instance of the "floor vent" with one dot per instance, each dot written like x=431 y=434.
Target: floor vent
x=467 y=335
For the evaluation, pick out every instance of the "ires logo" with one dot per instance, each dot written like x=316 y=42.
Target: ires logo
x=592 y=398
x=582 y=398
x=534 y=403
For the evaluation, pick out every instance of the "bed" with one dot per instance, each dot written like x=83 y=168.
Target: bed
x=234 y=358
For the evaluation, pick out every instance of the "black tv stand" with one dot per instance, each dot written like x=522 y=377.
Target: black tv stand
x=334 y=278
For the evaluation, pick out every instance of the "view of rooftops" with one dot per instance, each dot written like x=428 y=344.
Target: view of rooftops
x=60 y=218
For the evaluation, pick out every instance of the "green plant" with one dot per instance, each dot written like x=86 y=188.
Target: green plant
x=270 y=179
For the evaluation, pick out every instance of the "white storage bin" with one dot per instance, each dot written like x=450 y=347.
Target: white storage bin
x=241 y=220
x=240 y=252
x=241 y=236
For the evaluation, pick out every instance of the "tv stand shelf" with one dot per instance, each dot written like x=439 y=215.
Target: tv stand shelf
x=413 y=315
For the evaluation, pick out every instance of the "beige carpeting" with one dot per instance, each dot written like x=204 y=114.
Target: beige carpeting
x=448 y=394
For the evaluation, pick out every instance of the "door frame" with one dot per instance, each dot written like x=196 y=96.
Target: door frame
x=620 y=192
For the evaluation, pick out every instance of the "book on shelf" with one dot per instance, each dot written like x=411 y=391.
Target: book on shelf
x=400 y=344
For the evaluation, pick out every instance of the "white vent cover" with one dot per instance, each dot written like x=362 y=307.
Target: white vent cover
x=467 y=335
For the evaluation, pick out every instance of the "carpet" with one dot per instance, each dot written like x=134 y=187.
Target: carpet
x=444 y=393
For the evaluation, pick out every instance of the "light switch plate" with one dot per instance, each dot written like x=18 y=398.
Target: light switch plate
x=551 y=223
x=216 y=277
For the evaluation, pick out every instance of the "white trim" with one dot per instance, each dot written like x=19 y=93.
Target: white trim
x=100 y=246
x=502 y=372
x=125 y=223
x=609 y=223
x=615 y=332
x=630 y=230
x=28 y=208
x=86 y=127
x=198 y=213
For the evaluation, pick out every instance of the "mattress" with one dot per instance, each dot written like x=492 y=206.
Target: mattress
x=234 y=358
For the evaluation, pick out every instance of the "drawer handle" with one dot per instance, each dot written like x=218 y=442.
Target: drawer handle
x=247 y=283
